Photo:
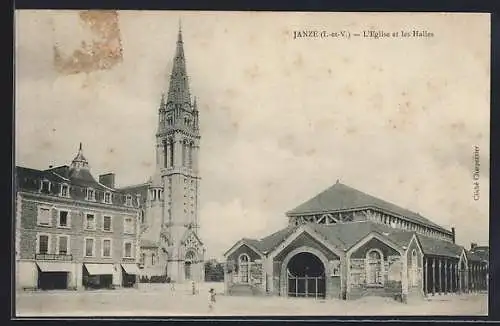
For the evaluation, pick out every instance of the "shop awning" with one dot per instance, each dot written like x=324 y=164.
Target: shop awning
x=54 y=266
x=99 y=269
x=131 y=269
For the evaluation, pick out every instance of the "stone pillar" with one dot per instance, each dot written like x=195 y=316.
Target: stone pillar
x=117 y=275
x=404 y=279
x=426 y=277
x=446 y=276
x=440 y=277
x=466 y=287
x=268 y=271
x=433 y=276
x=283 y=283
x=452 y=277
x=79 y=276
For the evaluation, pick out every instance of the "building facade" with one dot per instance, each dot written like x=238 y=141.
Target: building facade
x=170 y=242
x=72 y=231
x=346 y=244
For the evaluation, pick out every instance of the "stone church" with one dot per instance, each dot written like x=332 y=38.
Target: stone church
x=345 y=244
x=170 y=244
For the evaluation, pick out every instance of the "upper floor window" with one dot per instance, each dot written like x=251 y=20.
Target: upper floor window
x=43 y=243
x=64 y=190
x=128 y=226
x=63 y=219
x=143 y=259
x=106 y=223
x=44 y=216
x=90 y=222
x=89 y=247
x=107 y=197
x=45 y=186
x=90 y=194
x=106 y=247
x=153 y=258
x=127 y=249
x=128 y=200
x=63 y=245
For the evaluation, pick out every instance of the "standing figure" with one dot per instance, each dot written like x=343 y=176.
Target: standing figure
x=211 y=299
x=172 y=286
x=193 y=286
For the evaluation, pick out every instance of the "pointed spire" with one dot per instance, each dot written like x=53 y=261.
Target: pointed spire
x=79 y=161
x=178 y=92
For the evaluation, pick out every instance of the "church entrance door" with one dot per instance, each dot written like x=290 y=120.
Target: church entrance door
x=306 y=276
x=187 y=270
x=188 y=262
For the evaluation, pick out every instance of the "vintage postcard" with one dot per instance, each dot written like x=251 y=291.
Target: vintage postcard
x=175 y=163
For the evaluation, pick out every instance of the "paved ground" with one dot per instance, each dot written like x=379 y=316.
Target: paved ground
x=159 y=300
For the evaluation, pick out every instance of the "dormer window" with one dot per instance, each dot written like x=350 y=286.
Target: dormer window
x=90 y=194
x=64 y=190
x=128 y=200
x=45 y=186
x=107 y=197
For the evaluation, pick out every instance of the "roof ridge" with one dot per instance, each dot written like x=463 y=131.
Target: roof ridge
x=133 y=185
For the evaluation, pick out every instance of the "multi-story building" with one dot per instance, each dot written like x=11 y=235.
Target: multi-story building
x=170 y=242
x=73 y=231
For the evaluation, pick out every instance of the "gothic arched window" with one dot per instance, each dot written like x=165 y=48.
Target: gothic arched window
x=184 y=147
x=243 y=268
x=171 y=154
x=190 y=155
x=414 y=268
x=374 y=267
x=170 y=120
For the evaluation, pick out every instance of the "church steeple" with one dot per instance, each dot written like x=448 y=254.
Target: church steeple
x=178 y=92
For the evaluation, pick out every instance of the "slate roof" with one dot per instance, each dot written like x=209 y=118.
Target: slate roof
x=141 y=189
x=341 y=197
x=60 y=174
x=479 y=254
x=439 y=247
x=346 y=235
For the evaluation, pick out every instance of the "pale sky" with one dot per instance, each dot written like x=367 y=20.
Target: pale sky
x=281 y=119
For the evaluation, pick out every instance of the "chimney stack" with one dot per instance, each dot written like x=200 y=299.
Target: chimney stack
x=473 y=246
x=107 y=179
x=453 y=234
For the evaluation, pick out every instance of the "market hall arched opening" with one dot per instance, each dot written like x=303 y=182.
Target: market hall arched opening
x=306 y=276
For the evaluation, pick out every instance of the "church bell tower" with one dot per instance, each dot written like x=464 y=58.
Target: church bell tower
x=176 y=180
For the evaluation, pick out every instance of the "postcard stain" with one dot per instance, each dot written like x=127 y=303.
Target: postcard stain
x=103 y=52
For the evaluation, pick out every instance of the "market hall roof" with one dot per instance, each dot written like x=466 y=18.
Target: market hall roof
x=340 y=197
x=346 y=235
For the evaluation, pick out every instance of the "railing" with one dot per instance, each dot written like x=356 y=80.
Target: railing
x=54 y=257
